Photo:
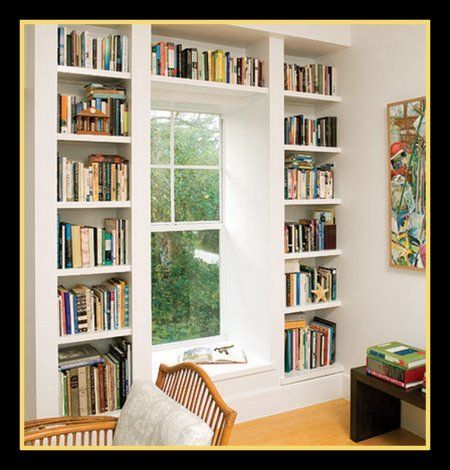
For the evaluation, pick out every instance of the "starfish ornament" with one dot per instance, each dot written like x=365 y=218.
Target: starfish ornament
x=320 y=292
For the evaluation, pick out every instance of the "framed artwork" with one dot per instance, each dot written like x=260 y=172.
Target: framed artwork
x=407 y=150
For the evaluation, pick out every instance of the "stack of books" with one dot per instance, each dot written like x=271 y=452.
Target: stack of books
x=302 y=280
x=304 y=180
x=397 y=363
x=312 y=78
x=85 y=247
x=91 y=383
x=84 y=50
x=172 y=60
x=308 y=346
x=101 y=178
x=104 y=112
x=299 y=130
x=314 y=234
x=101 y=307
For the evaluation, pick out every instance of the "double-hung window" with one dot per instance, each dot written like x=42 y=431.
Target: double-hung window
x=186 y=216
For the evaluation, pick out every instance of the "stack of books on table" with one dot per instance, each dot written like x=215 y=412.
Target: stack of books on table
x=397 y=363
x=91 y=382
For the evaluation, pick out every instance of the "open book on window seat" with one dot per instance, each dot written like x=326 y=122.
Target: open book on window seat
x=218 y=355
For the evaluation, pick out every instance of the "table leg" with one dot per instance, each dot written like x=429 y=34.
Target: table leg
x=372 y=411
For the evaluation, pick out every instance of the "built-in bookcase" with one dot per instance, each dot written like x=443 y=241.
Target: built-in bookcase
x=254 y=207
x=312 y=105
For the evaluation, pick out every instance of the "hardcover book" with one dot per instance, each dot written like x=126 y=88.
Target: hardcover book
x=399 y=354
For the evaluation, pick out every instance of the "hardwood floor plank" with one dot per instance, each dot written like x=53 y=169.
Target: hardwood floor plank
x=324 y=424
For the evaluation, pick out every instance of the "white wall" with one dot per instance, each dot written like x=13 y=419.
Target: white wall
x=384 y=64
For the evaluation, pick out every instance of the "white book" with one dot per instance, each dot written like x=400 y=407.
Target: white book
x=209 y=355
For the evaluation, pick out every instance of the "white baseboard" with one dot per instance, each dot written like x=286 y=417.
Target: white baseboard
x=289 y=397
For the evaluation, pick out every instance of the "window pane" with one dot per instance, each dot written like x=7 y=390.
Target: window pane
x=160 y=194
x=197 y=195
x=160 y=137
x=185 y=285
x=196 y=139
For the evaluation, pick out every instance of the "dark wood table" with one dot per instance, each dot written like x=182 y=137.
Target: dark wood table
x=375 y=404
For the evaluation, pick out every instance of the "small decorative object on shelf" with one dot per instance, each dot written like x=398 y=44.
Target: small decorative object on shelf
x=397 y=363
x=302 y=281
x=309 y=346
x=319 y=293
x=312 y=78
x=214 y=66
x=314 y=234
x=86 y=247
x=91 y=383
x=104 y=112
x=321 y=132
x=303 y=180
x=101 y=307
x=83 y=50
x=101 y=178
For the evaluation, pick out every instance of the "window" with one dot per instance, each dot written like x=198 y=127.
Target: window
x=186 y=225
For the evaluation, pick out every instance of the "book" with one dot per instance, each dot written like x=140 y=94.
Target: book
x=310 y=78
x=397 y=353
x=207 y=355
x=300 y=130
x=169 y=59
x=85 y=50
x=394 y=381
x=405 y=376
x=77 y=356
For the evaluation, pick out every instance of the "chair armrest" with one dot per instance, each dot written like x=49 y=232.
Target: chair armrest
x=39 y=430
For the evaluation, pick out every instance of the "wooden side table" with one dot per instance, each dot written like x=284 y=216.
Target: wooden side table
x=375 y=404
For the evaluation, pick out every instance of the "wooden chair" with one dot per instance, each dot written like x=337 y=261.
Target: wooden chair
x=186 y=383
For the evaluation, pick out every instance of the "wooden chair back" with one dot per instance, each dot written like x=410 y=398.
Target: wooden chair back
x=186 y=383
x=189 y=385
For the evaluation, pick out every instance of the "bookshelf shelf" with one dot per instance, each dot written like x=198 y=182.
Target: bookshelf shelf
x=185 y=85
x=310 y=374
x=312 y=202
x=312 y=254
x=84 y=337
x=313 y=306
x=94 y=205
x=297 y=97
x=107 y=139
x=95 y=270
x=66 y=73
x=312 y=149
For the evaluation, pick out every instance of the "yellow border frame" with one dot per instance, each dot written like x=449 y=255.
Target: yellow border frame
x=23 y=23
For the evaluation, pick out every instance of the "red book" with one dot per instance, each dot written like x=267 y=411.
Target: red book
x=392 y=380
x=406 y=376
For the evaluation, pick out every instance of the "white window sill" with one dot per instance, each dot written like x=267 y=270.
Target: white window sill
x=217 y=372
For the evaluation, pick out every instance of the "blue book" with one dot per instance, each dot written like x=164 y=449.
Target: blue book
x=74 y=299
x=67 y=308
x=68 y=241
x=297 y=294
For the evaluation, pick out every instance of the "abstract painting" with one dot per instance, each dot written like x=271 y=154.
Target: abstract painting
x=407 y=150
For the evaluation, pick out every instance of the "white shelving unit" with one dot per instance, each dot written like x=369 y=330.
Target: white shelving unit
x=313 y=306
x=254 y=306
x=44 y=80
x=312 y=254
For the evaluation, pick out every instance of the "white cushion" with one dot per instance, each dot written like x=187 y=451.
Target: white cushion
x=150 y=417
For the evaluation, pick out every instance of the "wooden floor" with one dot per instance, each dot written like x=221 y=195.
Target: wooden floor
x=324 y=424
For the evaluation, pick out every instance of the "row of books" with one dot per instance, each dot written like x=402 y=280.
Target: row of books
x=299 y=130
x=91 y=383
x=84 y=50
x=85 y=247
x=309 y=346
x=101 y=307
x=312 y=78
x=307 y=284
x=397 y=363
x=172 y=60
x=101 y=178
x=105 y=112
x=309 y=235
x=304 y=180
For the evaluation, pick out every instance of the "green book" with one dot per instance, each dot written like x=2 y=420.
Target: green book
x=399 y=354
x=288 y=351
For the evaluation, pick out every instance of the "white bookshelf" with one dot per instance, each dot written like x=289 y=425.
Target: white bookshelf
x=310 y=374
x=312 y=202
x=313 y=307
x=254 y=219
x=46 y=79
x=312 y=254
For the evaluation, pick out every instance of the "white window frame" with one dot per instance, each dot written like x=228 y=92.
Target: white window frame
x=174 y=226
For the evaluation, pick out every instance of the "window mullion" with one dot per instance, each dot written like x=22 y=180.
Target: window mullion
x=172 y=169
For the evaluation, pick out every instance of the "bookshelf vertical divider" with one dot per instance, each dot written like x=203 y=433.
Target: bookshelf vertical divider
x=42 y=277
